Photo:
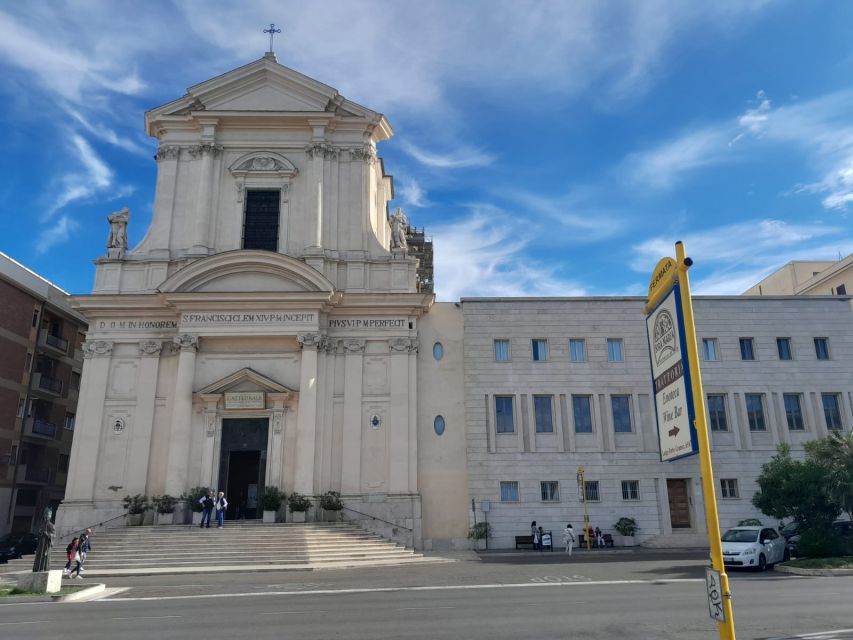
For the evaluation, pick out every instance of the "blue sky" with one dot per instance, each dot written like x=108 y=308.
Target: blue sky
x=550 y=148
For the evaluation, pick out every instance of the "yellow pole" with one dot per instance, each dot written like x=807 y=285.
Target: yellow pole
x=727 y=628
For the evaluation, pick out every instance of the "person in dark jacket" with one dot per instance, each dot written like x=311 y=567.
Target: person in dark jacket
x=70 y=551
x=206 y=508
x=84 y=545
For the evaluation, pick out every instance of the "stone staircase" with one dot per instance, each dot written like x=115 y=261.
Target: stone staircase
x=239 y=546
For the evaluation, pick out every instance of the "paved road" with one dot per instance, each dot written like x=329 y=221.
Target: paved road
x=537 y=599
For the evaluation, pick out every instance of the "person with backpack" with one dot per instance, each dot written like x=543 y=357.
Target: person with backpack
x=83 y=548
x=70 y=552
x=206 y=508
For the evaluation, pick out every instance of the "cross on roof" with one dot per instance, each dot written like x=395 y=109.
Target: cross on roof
x=272 y=31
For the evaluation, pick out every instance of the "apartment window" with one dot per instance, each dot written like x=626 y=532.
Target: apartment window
x=783 y=346
x=75 y=381
x=747 y=349
x=22 y=407
x=621 y=413
x=13 y=454
x=583 y=413
x=576 y=350
x=62 y=465
x=35 y=317
x=542 y=412
x=728 y=488
x=794 y=411
x=26 y=497
x=260 y=226
x=550 y=491
x=709 y=349
x=832 y=410
x=755 y=412
x=509 y=491
x=717 y=412
x=502 y=350
x=591 y=490
x=69 y=421
x=614 y=349
x=821 y=348
x=630 y=489
x=28 y=363
x=540 y=349
x=504 y=414
x=841 y=290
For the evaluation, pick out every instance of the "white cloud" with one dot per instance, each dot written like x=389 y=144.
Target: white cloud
x=662 y=166
x=56 y=233
x=79 y=185
x=456 y=159
x=754 y=120
x=411 y=192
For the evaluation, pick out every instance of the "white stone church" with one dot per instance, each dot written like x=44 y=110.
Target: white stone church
x=270 y=330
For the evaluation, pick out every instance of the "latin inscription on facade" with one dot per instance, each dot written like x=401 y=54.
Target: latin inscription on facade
x=245 y=400
x=204 y=319
x=130 y=325
x=368 y=323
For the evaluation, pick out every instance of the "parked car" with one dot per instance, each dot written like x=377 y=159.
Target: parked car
x=791 y=532
x=15 y=545
x=753 y=547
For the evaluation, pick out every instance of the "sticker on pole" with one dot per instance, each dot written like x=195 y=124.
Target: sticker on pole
x=714 y=588
x=671 y=379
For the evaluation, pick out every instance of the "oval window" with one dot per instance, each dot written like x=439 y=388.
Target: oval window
x=438 y=351
x=439 y=425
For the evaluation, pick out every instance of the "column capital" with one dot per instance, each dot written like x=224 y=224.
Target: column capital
x=168 y=152
x=353 y=345
x=315 y=341
x=150 y=347
x=94 y=348
x=186 y=342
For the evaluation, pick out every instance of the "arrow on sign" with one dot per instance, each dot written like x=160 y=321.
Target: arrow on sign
x=673 y=432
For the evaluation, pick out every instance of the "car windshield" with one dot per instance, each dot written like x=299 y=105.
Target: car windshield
x=740 y=535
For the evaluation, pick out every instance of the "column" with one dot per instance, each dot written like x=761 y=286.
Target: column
x=398 y=417
x=177 y=466
x=136 y=478
x=275 y=449
x=413 y=416
x=351 y=440
x=203 y=213
x=164 y=198
x=209 y=473
x=306 y=422
x=90 y=419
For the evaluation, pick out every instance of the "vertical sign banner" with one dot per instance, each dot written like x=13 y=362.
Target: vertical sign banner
x=714 y=588
x=671 y=378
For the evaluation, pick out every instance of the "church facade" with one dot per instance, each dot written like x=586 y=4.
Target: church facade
x=272 y=329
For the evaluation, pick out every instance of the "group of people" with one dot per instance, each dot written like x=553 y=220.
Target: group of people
x=76 y=551
x=542 y=539
x=211 y=501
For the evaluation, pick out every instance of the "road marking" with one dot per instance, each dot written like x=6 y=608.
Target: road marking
x=25 y=622
x=335 y=592
x=423 y=608
x=145 y=618
x=819 y=635
x=279 y=613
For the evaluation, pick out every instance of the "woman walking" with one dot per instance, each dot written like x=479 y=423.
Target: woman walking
x=569 y=538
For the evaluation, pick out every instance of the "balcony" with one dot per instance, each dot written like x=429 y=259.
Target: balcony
x=33 y=474
x=53 y=342
x=43 y=382
x=40 y=427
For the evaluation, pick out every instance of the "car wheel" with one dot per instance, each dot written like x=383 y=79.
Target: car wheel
x=762 y=562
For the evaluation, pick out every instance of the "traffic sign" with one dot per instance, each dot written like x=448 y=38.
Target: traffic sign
x=714 y=588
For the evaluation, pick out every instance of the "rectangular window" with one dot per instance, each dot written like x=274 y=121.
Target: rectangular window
x=509 y=491
x=504 y=414
x=22 y=407
x=709 y=349
x=62 y=465
x=832 y=410
x=260 y=226
x=69 y=421
x=26 y=497
x=540 y=349
x=821 y=348
x=630 y=489
x=621 y=413
x=783 y=346
x=75 y=381
x=747 y=349
x=728 y=488
x=542 y=412
x=550 y=491
x=502 y=350
x=583 y=413
x=717 y=412
x=841 y=290
x=755 y=412
x=794 y=411
x=35 y=317
x=577 y=352
x=591 y=489
x=614 y=349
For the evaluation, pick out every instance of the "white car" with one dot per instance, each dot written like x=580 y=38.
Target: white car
x=756 y=547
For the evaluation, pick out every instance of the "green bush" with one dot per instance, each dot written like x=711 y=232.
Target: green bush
x=480 y=531
x=136 y=504
x=272 y=498
x=193 y=496
x=331 y=501
x=298 y=502
x=749 y=522
x=626 y=526
x=164 y=503
x=820 y=543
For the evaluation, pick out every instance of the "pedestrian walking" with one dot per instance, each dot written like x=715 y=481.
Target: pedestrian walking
x=534 y=531
x=70 y=552
x=221 y=505
x=542 y=540
x=206 y=503
x=569 y=538
x=599 y=538
x=84 y=545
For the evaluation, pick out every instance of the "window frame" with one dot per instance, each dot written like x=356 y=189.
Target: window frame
x=836 y=397
x=597 y=493
x=749 y=413
x=747 y=341
x=511 y=399
x=572 y=351
x=713 y=413
x=788 y=345
x=534 y=350
x=729 y=489
x=502 y=341
x=822 y=353
x=550 y=401
x=627 y=399
x=611 y=353
x=715 y=348
x=509 y=484
x=590 y=413
x=633 y=489
x=278 y=230
x=790 y=415
x=72 y=421
x=556 y=493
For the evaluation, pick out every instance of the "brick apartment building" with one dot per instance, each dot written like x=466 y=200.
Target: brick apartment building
x=40 y=366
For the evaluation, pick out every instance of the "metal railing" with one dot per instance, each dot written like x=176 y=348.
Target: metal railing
x=69 y=533
x=37 y=474
x=393 y=524
x=56 y=342
x=50 y=384
x=44 y=428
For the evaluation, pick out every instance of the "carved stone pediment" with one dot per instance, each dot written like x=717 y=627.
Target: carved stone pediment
x=262 y=163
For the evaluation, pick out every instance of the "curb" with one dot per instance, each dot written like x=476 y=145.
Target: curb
x=813 y=572
x=82 y=595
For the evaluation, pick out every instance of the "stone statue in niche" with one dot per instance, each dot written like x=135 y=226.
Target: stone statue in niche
x=399 y=226
x=117 y=242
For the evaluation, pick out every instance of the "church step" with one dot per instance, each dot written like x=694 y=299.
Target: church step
x=109 y=553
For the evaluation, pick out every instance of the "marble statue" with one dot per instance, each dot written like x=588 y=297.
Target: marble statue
x=117 y=242
x=47 y=535
x=399 y=226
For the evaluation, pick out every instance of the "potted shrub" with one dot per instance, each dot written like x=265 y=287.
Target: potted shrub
x=164 y=507
x=480 y=534
x=626 y=527
x=331 y=504
x=298 y=504
x=191 y=498
x=136 y=507
x=271 y=501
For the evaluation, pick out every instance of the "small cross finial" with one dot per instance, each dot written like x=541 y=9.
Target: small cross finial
x=272 y=31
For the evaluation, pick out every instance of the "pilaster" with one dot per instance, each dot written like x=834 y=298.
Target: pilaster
x=306 y=422
x=398 y=415
x=351 y=445
x=177 y=466
x=143 y=424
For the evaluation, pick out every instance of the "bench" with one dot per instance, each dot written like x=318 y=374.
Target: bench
x=608 y=541
x=523 y=540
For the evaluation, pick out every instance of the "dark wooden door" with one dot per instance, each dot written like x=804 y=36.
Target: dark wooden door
x=679 y=503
